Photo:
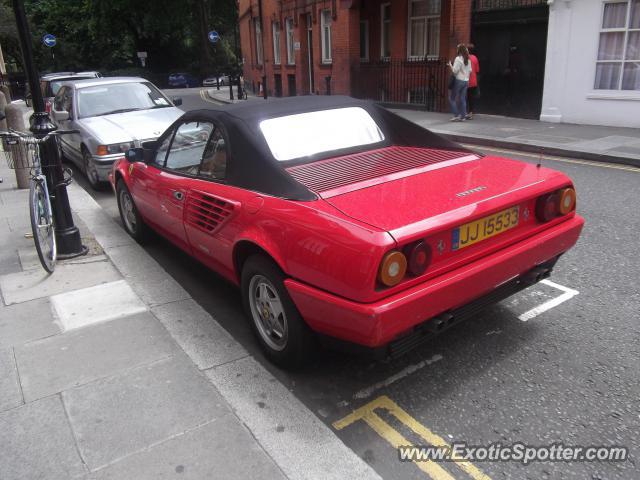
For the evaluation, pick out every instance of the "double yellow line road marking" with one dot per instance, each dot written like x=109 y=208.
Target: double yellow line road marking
x=368 y=414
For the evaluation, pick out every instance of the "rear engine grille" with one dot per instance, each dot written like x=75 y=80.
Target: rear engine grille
x=337 y=172
x=207 y=212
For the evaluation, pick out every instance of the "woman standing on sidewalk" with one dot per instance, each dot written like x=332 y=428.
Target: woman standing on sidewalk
x=474 y=90
x=461 y=69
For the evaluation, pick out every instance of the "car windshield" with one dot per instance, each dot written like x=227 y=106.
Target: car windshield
x=119 y=98
x=305 y=134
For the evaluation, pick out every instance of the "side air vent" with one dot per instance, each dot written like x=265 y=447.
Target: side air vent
x=206 y=212
x=337 y=172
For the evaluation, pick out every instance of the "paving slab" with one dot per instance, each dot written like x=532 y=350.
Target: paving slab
x=158 y=291
x=125 y=414
x=10 y=394
x=26 y=321
x=36 y=443
x=199 y=335
x=75 y=358
x=9 y=260
x=285 y=428
x=221 y=449
x=107 y=301
x=32 y=284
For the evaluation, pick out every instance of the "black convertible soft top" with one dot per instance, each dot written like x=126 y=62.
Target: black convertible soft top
x=252 y=165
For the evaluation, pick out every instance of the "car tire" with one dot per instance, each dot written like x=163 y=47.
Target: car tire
x=90 y=170
x=283 y=335
x=132 y=222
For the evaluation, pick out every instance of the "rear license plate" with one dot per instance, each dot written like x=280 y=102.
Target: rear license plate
x=487 y=227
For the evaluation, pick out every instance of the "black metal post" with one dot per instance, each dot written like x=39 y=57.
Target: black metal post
x=327 y=79
x=68 y=239
x=230 y=87
x=264 y=87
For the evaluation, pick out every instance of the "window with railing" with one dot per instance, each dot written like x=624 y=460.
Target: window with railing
x=618 y=62
x=424 y=28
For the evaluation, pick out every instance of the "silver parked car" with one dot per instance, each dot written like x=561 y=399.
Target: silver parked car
x=111 y=115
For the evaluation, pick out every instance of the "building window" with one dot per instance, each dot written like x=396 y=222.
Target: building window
x=291 y=54
x=364 y=40
x=385 y=30
x=325 y=27
x=424 y=28
x=276 y=42
x=259 y=50
x=618 y=64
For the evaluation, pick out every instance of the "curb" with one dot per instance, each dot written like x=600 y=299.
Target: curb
x=301 y=445
x=539 y=149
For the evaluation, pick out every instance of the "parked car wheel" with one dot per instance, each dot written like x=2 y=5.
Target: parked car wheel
x=90 y=170
x=283 y=335
x=131 y=219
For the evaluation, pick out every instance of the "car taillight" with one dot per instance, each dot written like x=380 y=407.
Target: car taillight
x=567 y=201
x=47 y=106
x=392 y=268
x=554 y=204
x=418 y=256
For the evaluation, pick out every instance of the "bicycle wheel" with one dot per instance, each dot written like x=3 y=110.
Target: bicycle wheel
x=44 y=235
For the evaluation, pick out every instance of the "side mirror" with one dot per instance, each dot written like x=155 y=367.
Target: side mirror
x=177 y=101
x=135 y=155
x=60 y=116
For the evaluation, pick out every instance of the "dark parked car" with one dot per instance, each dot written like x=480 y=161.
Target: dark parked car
x=183 y=80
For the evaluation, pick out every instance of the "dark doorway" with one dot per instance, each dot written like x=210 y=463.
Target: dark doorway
x=510 y=42
x=277 y=84
x=291 y=83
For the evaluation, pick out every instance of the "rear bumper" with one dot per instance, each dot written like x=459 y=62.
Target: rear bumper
x=390 y=319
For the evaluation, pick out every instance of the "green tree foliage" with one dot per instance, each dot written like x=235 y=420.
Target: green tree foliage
x=105 y=35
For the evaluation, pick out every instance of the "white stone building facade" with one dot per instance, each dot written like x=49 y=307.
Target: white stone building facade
x=592 y=72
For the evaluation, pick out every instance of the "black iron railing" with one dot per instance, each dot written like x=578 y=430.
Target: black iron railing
x=484 y=5
x=418 y=82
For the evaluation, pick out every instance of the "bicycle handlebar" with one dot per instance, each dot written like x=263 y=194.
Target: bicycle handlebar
x=28 y=137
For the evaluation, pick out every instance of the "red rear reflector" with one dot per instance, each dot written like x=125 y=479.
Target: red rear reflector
x=418 y=257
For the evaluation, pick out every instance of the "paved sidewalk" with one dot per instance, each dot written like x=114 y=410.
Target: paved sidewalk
x=589 y=142
x=222 y=95
x=109 y=370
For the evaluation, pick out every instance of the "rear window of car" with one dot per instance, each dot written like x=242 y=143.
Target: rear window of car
x=305 y=134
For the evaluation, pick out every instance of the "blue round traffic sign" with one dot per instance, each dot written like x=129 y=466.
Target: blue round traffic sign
x=49 y=40
x=213 y=36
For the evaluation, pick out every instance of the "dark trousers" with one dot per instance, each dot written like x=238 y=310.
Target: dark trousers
x=471 y=99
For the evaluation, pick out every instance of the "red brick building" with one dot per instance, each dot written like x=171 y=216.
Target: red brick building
x=389 y=50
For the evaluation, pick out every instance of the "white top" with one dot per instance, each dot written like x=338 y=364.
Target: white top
x=460 y=70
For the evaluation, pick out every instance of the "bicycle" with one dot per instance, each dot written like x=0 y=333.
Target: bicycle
x=40 y=211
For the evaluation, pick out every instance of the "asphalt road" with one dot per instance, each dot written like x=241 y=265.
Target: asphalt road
x=568 y=375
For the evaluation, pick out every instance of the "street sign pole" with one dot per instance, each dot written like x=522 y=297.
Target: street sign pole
x=68 y=239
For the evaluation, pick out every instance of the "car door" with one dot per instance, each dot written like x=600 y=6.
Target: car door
x=212 y=205
x=176 y=178
x=70 y=144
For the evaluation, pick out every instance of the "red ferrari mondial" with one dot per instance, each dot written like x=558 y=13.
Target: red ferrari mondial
x=341 y=221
